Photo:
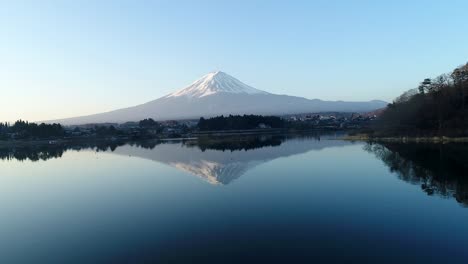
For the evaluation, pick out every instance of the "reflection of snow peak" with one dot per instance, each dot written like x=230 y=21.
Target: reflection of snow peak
x=222 y=167
x=214 y=172
x=216 y=82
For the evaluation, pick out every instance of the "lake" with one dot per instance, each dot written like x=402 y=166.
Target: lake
x=256 y=199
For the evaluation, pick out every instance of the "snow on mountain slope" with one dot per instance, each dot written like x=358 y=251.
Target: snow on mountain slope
x=215 y=82
x=218 y=93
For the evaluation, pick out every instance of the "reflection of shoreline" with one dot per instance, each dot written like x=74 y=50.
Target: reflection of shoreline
x=218 y=160
x=440 y=169
x=33 y=151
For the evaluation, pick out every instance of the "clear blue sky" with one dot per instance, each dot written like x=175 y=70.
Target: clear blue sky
x=68 y=58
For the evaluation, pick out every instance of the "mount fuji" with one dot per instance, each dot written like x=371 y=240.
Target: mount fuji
x=218 y=93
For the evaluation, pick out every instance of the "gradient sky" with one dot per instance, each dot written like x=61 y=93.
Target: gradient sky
x=68 y=58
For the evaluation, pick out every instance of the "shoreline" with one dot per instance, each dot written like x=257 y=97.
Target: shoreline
x=213 y=134
x=405 y=139
x=50 y=142
x=189 y=136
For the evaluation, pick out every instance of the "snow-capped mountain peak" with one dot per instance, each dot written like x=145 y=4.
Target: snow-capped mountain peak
x=218 y=93
x=215 y=82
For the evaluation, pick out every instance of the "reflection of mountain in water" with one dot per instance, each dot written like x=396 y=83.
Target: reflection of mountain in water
x=440 y=169
x=224 y=160
x=216 y=160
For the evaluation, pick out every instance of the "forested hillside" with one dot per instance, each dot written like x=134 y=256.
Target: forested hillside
x=438 y=107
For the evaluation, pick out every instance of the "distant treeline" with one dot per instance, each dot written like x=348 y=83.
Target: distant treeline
x=144 y=129
x=438 y=107
x=24 y=130
x=238 y=122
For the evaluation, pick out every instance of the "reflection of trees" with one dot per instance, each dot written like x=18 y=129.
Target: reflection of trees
x=45 y=152
x=36 y=152
x=235 y=143
x=440 y=169
x=30 y=153
x=246 y=142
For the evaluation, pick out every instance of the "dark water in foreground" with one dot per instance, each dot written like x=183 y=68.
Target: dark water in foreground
x=250 y=200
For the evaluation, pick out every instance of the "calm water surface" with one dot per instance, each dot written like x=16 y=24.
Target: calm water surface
x=268 y=199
